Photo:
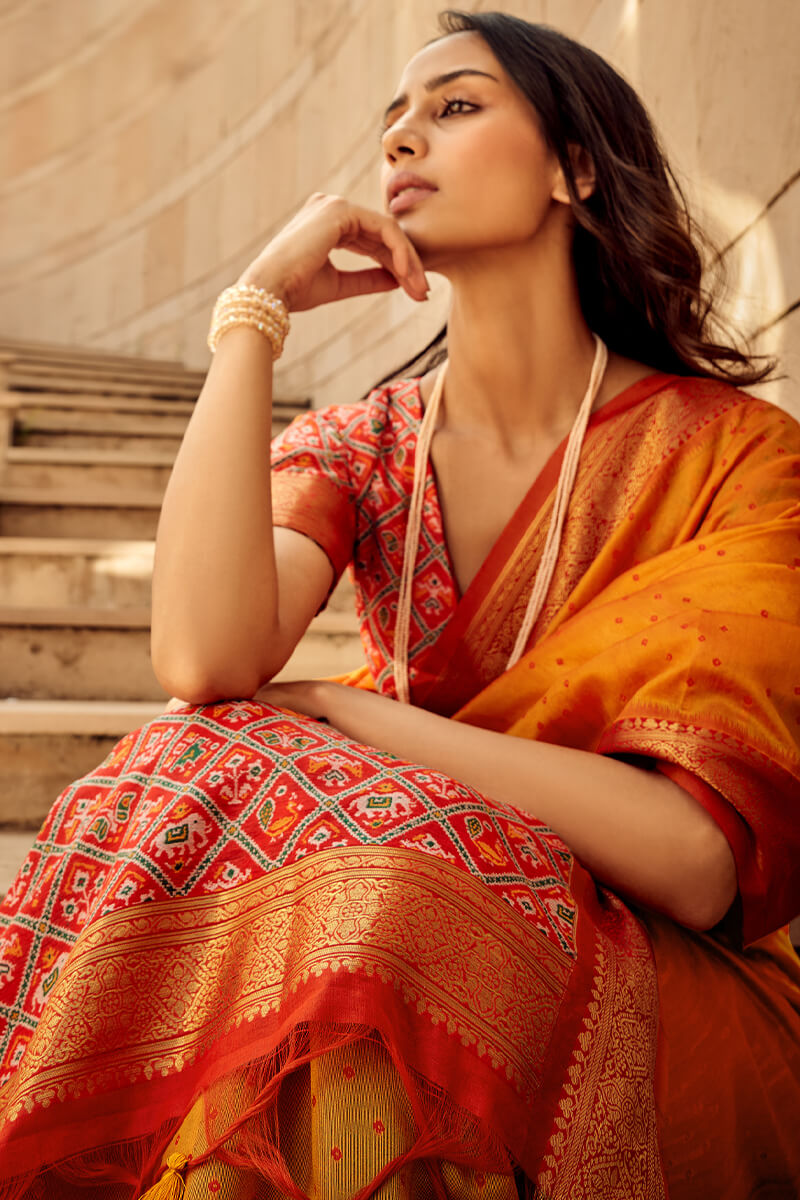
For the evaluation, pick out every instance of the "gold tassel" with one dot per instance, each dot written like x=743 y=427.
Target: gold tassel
x=171 y=1185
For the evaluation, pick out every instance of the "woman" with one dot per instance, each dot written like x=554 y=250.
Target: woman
x=319 y=942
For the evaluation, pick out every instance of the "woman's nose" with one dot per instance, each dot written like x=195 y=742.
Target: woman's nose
x=401 y=139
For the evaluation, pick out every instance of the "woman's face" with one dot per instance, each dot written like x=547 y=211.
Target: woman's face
x=461 y=125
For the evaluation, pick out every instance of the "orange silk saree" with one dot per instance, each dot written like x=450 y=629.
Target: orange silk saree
x=278 y=963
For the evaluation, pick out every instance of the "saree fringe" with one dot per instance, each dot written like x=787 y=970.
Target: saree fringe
x=297 y=1124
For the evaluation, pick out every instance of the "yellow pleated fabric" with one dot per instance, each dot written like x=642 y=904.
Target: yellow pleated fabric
x=342 y=1118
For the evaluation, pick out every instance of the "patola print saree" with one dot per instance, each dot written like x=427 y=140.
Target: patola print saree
x=252 y=958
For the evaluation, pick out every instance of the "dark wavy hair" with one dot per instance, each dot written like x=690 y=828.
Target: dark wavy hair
x=648 y=278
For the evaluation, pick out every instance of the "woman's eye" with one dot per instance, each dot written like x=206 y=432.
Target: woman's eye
x=456 y=107
x=450 y=108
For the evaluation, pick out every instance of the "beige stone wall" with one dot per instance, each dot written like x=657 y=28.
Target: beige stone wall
x=149 y=148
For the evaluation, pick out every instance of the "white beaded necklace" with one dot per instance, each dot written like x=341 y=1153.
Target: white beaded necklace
x=547 y=566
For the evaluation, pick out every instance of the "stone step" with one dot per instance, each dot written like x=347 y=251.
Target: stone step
x=21 y=348
x=67 y=422
x=105 y=423
x=82 y=434
x=79 y=440
x=61 y=572
x=22 y=401
x=104 y=654
x=79 y=512
x=57 y=468
x=18 y=369
x=28 y=378
x=40 y=402
x=94 y=573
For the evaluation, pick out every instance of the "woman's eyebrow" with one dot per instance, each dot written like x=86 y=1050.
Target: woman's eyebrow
x=439 y=81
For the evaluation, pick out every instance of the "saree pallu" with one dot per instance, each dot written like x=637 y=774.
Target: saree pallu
x=320 y=970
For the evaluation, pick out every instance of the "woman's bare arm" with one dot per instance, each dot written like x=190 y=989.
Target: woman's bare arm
x=231 y=598
x=634 y=830
x=218 y=627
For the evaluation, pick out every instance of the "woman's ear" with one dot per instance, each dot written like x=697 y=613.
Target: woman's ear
x=583 y=172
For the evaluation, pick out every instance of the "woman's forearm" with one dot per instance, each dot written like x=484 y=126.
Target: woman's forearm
x=634 y=830
x=218 y=627
x=214 y=582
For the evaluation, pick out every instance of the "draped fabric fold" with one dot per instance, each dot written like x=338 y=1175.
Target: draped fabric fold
x=313 y=968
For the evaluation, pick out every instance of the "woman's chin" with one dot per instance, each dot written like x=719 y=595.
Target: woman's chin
x=433 y=252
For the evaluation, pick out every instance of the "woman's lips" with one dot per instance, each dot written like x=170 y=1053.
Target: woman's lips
x=408 y=198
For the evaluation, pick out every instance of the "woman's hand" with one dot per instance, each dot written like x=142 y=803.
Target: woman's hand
x=296 y=266
x=306 y=696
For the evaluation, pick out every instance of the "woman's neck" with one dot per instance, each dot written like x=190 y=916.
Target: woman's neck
x=520 y=351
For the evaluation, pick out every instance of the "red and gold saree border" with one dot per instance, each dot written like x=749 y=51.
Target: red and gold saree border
x=186 y=991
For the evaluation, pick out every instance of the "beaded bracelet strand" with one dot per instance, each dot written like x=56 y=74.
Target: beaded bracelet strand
x=245 y=304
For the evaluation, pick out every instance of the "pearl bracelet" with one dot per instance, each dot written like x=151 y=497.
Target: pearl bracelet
x=245 y=304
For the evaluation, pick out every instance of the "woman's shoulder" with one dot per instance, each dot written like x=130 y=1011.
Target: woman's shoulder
x=703 y=400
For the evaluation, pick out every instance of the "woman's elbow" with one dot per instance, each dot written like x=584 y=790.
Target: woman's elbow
x=216 y=674
x=196 y=684
x=712 y=888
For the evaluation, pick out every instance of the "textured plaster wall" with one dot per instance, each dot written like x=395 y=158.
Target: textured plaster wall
x=149 y=148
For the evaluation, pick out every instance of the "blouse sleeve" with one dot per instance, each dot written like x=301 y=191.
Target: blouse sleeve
x=312 y=486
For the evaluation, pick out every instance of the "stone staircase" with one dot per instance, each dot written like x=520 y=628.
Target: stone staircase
x=87 y=442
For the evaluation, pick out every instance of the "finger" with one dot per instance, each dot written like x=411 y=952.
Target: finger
x=403 y=250
x=383 y=232
x=411 y=280
x=416 y=289
x=363 y=283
